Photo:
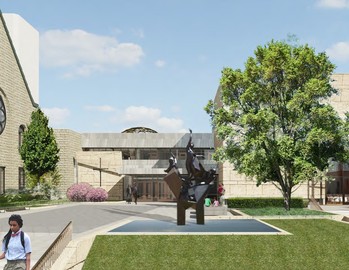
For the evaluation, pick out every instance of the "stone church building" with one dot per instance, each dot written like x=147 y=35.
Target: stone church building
x=16 y=97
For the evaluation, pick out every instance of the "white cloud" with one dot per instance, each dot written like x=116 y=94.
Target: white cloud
x=135 y=116
x=333 y=3
x=84 y=53
x=56 y=116
x=160 y=63
x=103 y=108
x=339 y=51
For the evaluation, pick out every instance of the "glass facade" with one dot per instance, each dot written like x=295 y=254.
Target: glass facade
x=145 y=157
x=150 y=188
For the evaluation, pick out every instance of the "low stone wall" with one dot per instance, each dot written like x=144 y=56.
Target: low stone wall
x=216 y=210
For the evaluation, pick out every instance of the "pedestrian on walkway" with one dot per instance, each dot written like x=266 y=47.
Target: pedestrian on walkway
x=16 y=246
x=221 y=193
x=135 y=192
x=129 y=194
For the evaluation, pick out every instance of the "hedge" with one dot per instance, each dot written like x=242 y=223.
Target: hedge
x=264 y=202
x=20 y=197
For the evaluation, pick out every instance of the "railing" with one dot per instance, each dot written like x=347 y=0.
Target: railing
x=55 y=249
x=314 y=204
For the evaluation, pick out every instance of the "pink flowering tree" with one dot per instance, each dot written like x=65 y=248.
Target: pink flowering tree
x=97 y=195
x=84 y=192
x=78 y=192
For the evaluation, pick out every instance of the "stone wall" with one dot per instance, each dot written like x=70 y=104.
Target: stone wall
x=69 y=143
x=18 y=104
x=340 y=101
x=101 y=169
x=237 y=185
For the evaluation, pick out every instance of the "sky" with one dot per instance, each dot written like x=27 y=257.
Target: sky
x=109 y=65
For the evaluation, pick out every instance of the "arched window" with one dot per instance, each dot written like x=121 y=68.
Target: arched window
x=20 y=136
x=2 y=115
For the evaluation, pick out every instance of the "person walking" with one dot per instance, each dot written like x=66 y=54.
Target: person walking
x=221 y=192
x=129 y=194
x=135 y=192
x=16 y=246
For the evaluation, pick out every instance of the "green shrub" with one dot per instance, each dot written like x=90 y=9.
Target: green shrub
x=264 y=202
x=12 y=196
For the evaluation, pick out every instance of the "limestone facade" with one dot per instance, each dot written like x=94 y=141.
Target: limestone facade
x=340 y=101
x=18 y=104
x=69 y=143
x=101 y=169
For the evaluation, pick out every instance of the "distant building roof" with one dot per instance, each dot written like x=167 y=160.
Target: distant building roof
x=145 y=140
x=139 y=130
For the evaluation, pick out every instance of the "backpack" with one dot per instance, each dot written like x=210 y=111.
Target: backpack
x=8 y=236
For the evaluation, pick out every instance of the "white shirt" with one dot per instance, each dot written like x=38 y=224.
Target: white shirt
x=15 y=250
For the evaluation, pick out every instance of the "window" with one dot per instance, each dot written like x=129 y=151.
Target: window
x=2 y=180
x=21 y=178
x=20 y=136
x=2 y=115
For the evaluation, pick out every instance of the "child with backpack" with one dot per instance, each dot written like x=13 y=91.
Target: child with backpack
x=16 y=246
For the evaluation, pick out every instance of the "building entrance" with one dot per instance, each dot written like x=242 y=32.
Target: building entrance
x=151 y=188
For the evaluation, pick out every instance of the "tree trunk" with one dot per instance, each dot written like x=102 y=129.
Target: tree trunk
x=287 y=199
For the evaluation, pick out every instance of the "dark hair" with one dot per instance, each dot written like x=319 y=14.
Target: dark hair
x=16 y=218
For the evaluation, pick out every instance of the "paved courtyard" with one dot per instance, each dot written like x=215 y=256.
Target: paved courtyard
x=45 y=223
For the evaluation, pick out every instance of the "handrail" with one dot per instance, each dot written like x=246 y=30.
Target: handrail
x=56 y=248
x=315 y=204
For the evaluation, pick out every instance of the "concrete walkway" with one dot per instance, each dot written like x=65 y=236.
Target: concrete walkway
x=336 y=209
x=44 y=224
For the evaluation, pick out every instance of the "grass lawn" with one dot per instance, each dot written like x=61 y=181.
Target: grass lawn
x=280 y=211
x=315 y=244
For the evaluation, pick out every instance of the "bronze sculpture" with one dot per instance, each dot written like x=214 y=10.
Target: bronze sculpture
x=190 y=190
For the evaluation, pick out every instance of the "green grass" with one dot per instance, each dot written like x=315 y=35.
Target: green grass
x=280 y=211
x=314 y=244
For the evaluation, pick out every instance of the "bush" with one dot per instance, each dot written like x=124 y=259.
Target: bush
x=78 y=192
x=84 y=192
x=263 y=202
x=97 y=195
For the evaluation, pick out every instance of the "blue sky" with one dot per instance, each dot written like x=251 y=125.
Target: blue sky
x=108 y=65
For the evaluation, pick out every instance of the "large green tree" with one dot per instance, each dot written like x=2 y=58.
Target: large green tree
x=274 y=119
x=39 y=150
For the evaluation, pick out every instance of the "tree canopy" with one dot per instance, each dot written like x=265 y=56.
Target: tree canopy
x=274 y=119
x=39 y=150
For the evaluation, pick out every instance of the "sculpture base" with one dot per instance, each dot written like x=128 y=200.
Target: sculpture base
x=187 y=196
x=183 y=205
